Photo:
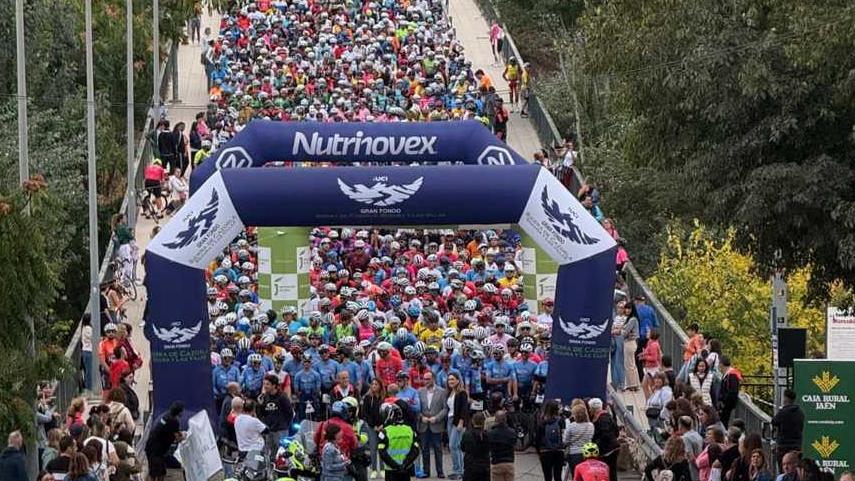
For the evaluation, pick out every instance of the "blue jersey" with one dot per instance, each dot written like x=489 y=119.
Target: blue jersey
x=296 y=324
x=352 y=371
x=222 y=376
x=472 y=379
x=307 y=384
x=411 y=396
x=250 y=379
x=542 y=369
x=328 y=371
x=293 y=366
x=524 y=371
x=499 y=370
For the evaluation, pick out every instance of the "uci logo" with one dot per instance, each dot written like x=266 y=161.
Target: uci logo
x=233 y=158
x=495 y=155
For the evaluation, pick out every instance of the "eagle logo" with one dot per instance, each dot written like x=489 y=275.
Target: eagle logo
x=380 y=194
x=177 y=334
x=584 y=329
x=198 y=225
x=563 y=222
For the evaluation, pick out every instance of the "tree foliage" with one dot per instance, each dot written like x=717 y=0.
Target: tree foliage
x=741 y=114
x=703 y=279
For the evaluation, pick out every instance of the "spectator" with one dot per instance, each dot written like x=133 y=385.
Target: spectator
x=132 y=401
x=370 y=411
x=710 y=454
x=701 y=381
x=693 y=443
x=333 y=462
x=616 y=361
x=659 y=398
x=790 y=464
x=458 y=419
x=164 y=435
x=80 y=469
x=59 y=465
x=548 y=441
x=629 y=330
x=128 y=467
x=502 y=440
x=476 y=450
x=605 y=435
x=728 y=394
x=647 y=320
x=120 y=416
x=758 y=470
x=668 y=371
x=249 y=430
x=275 y=412
x=577 y=434
x=695 y=343
x=673 y=459
x=432 y=423
x=741 y=468
x=651 y=359
x=52 y=449
x=847 y=476
x=789 y=424
x=730 y=449
x=13 y=467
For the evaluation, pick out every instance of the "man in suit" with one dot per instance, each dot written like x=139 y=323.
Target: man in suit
x=432 y=421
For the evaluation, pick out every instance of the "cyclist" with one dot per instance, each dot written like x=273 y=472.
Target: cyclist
x=500 y=373
x=591 y=469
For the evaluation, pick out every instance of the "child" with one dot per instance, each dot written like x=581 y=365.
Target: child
x=651 y=355
x=476 y=450
x=333 y=462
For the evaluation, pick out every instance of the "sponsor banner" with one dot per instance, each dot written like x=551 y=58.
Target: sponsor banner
x=824 y=389
x=381 y=196
x=200 y=230
x=176 y=325
x=264 y=260
x=581 y=328
x=545 y=285
x=464 y=142
x=528 y=259
x=198 y=454
x=283 y=287
x=304 y=259
x=840 y=332
x=560 y=224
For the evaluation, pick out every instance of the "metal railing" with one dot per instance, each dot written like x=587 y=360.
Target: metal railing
x=672 y=335
x=70 y=386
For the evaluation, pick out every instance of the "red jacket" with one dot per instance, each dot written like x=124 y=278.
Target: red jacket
x=348 y=440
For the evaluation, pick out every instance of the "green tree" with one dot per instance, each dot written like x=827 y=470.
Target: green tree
x=702 y=278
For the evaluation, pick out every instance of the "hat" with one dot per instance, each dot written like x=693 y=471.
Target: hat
x=595 y=403
x=403 y=375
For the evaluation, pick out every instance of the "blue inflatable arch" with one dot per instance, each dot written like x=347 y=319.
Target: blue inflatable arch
x=230 y=199
x=464 y=142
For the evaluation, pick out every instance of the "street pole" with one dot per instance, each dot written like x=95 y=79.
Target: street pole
x=23 y=175
x=155 y=48
x=94 y=295
x=778 y=320
x=129 y=71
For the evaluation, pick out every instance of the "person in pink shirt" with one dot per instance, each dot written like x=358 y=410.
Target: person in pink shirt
x=497 y=37
x=651 y=355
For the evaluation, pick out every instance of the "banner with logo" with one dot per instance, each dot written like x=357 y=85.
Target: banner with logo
x=824 y=388
x=260 y=142
x=198 y=453
x=527 y=195
x=840 y=334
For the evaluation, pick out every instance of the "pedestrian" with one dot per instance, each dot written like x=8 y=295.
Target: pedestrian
x=502 y=440
x=167 y=146
x=52 y=449
x=629 y=330
x=651 y=360
x=741 y=468
x=13 y=467
x=80 y=469
x=120 y=416
x=164 y=435
x=397 y=444
x=661 y=394
x=500 y=120
x=182 y=147
x=701 y=380
x=497 y=38
x=333 y=462
x=605 y=435
x=728 y=394
x=578 y=433
x=548 y=441
x=789 y=424
x=693 y=443
x=370 y=411
x=458 y=419
x=759 y=470
x=86 y=350
x=60 y=464
x=432 y=423
x=476 y=450
x=671 y=465
x=275 y=412
x=249 y=430
x=710 y=454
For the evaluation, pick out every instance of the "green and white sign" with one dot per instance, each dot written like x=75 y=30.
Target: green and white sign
x=824 y=388
x=283 y=267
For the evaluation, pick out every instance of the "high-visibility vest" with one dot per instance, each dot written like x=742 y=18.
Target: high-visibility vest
x=399 y=438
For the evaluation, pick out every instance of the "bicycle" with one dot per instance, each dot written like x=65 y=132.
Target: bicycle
x=146 y=205
x=127 y=284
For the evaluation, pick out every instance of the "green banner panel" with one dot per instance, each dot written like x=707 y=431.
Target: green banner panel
x=823 y=388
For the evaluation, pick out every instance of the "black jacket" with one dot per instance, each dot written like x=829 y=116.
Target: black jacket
x=606 y=434
x=790 y=421
x=502 y=440
x=476 y=450
x=12 y=465
x=275 y=411
x=540 y=432
x=680 y=470
x=461 y=408
x=133 y=401
x=371 y=410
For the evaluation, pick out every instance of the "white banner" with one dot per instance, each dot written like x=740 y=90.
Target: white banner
x=840 y=330
x=201 y=229
x=283 y=287
x=198 y=453
x=264 y=266
x=560 y=225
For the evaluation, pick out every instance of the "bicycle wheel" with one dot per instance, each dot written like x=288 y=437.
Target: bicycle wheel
x=130 y=288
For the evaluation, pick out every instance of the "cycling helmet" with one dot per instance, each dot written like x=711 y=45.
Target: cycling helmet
x=431 y=350
x=362 y=315
x=480 y=332
x=433 y=286
x=339 y=410
x=489 y=288
x=410 y=291
x=513 y=342
x=420 y=348
x=590 y=450
x=477 y=355
x=244 y=343
x=262 y=318
x=391 y=413
x=499 y=348
x=467 y=333
x=212 y=291
x=226 y=264
x=448 y=343
x=243 y=280
x=546 y=336
x=402 y=333
x=378 y=325
x=231 y=317
x=255 y=357
x=221 y=322
x=526 y=347
x=229 y=330
x=384 y=346
x=247 y=266
x=245 y=293
x=501 y=321
x=268 y=339
x=227 y=353
x=470 y=305
x=409 y=351
x=449 y=332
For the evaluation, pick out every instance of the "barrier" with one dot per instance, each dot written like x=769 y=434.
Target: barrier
x=71 y=385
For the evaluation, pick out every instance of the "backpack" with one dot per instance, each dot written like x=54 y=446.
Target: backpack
x=552 y=434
